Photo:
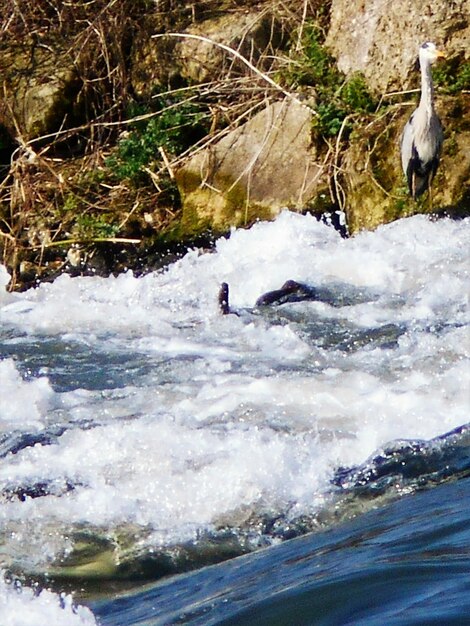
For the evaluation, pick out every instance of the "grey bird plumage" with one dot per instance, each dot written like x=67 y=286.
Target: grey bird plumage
x=421 y=141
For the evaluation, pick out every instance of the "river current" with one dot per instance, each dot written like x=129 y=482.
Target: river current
x=146 y=440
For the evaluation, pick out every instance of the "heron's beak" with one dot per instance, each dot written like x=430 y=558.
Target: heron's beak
x=440 y=54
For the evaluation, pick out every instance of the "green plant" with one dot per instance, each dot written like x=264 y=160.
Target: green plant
x=174 y=127
x=355 y=95
x=330 y=118
x=452 y=76
x=312 y=65
x=90 y=226
x=336 y=97
x=71 y=203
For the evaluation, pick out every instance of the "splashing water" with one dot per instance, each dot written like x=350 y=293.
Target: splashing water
x=135 y=419
x=25 y=606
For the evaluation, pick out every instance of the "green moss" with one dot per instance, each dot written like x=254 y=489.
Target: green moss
x=321 y=203
x=238 y=205
x=234 y=208
x=452 y=146
x=191 y=223
x=92 y=178
x=71 y=203
x=237 y=208
x=400 y=206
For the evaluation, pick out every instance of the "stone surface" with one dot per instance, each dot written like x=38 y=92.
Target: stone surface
x=166 y=61
x=273 y=161
x=381 y=38
x=250 y=33
x=256 y=170
x=39 y=91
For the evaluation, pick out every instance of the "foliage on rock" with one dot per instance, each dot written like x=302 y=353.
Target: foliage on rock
x=336 y=96
x=173 y=126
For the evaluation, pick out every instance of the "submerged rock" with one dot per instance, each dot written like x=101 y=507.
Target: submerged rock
x=409 y=463
x=291 y=291
x=337 y=295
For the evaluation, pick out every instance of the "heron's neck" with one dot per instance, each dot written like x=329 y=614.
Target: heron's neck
x=427 y=90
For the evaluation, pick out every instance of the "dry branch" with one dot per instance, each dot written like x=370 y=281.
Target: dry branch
x=241 y=58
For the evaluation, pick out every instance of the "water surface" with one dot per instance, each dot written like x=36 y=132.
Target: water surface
x=143 y=434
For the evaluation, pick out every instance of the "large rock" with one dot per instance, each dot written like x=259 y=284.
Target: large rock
x=248 y=33
x=165 y=61
x=380 y=38
x=39 y=91
x=265 y=165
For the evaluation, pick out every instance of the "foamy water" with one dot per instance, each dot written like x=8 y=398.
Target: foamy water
x=26 y=606
x=174 y=419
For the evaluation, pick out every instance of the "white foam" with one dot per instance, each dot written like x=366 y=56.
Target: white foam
x=23 y=606
x=23 y=404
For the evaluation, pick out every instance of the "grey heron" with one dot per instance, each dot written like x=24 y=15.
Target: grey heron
x=422 y=137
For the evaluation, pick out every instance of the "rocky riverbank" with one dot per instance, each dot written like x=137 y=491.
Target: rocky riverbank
x=129 y=130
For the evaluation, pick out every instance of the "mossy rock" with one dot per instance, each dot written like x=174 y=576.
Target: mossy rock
x=373 y=184
x=268 y=164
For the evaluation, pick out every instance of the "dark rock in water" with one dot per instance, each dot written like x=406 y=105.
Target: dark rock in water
x=335 y=295
x=291 y=291
x=405 y=462
x=224 y=299
x=13 y=442
x=37 y=490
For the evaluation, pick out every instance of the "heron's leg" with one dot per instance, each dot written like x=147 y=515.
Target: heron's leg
x=413 y=186
x=430 y=179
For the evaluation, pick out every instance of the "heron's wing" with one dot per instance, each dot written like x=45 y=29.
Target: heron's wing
x=421 y=146
x=406 y=144
x=437 y=133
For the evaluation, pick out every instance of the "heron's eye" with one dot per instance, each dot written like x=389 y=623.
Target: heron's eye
x=425 y=45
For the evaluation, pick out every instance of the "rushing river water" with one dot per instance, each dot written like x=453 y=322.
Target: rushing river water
x=143 y=435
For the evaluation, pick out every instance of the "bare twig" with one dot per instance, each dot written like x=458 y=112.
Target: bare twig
x=302 y=25
x=240 y=57
x=77 y=240
x=166 y=161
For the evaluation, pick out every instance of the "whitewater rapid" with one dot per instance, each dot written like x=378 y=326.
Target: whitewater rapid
x=152 y=417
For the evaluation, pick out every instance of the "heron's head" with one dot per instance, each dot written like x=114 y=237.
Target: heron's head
x=428 y=52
